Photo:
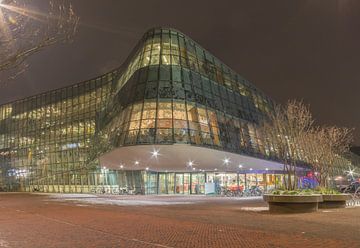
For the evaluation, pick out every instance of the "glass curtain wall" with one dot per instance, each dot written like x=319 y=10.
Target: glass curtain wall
x=45 y=140
x=174 y=91
x=169 y=90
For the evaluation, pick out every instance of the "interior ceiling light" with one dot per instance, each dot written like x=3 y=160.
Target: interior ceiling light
x=155 y=153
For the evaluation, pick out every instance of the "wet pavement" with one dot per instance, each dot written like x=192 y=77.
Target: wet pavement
x=73 y=220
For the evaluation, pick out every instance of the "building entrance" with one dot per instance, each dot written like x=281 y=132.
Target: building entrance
x=194 y=182
x=182 y=182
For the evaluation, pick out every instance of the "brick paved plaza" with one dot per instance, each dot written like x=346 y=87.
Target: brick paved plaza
x=36 y=220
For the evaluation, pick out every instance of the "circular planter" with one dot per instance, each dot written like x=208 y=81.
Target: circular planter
x=292 y=203
x=334 y=201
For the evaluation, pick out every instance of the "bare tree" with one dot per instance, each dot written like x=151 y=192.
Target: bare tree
x=326 y=149
x=315 y=151
x=26 y=27
x=284 y=131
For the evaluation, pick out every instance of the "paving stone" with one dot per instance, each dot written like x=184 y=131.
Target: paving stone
x=28 y=220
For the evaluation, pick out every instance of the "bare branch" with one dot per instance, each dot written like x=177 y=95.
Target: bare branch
x=26 y=29
x=284 y=131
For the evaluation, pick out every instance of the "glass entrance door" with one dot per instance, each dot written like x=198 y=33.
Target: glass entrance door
x=182 y=183
x=186 y=183
x=179 y=183
x=197 y=183
x=170 y=183
x=163 y=183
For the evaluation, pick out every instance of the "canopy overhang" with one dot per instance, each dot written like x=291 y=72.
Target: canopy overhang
x=182 y=157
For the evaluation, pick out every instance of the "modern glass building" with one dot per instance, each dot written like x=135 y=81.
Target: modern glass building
x=170 y=119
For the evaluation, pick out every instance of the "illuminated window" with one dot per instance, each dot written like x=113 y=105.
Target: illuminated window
x=179 y=111
x=164 y=110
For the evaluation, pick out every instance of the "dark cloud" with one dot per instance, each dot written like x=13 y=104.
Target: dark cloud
x=306 y=49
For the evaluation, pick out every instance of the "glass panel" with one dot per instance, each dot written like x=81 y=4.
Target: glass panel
x=171 y=183
x=146 y=58
x=165 y=90
x=136 y=112
x=176 y=73
x=270 y=182
x=165 y=59
x=148 y=123
x=151 y=90
x=179 y=111
x=261 y=181
x=163 y=183
x=147 y=135
x=155 y=54
x=149 y=111
x=164 y=135
x=153 y=73
x=197 y=183
x=150 y=180
x=186 y=183
x=179 y=184
x=242 y=181
x=181 y=135
x=203 y=120
x=165 y=110
x=279 y=181
x=250 y=181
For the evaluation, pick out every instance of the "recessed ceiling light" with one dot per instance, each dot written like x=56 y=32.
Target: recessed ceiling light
x=155 y=153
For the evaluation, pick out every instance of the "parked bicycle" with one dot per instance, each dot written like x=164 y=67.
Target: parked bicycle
x=255 y=191
x=239 y=191
x=354 y=190
x=120 y=191
x=98 y=190
x=36 y=189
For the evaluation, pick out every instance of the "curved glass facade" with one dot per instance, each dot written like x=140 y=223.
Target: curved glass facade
x=174 y=91
x=169 y=90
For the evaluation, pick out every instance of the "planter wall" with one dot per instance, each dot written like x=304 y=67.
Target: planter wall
x=293 y=203
x=334 y=201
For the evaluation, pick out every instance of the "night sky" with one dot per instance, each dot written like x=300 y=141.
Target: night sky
x=306 y=49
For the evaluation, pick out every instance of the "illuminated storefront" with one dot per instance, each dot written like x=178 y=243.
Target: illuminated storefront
x=169 y=93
